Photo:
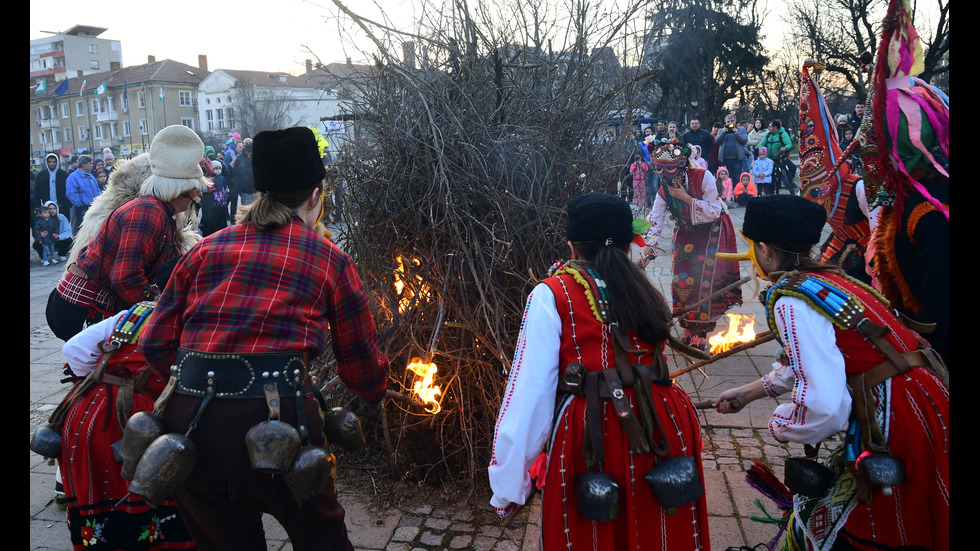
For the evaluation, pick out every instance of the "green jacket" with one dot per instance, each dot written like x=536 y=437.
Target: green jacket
x=772 y=142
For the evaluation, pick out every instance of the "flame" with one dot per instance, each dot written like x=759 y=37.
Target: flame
x=741 y=329
x=404 y=292
x=424 y=388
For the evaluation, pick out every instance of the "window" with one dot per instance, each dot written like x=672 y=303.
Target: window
x=209 y=116
x=144 y=128
x=93 y=63
x=185 y=98
x=141 y=100
x=44 y=137
x=221 y=119
x=189 y=123
x=41 y=114
x=93 y=48
x=68 y=135
x=97 y=132
x=79 y=108
x=81 y=133
x=231 y=117
x=127 y=130
x=65 y=111
x=95 y=106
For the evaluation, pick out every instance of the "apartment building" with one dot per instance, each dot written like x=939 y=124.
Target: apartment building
x=122 y=109
x=76 y=52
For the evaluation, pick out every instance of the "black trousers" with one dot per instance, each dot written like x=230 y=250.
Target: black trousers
x=222 y=502
x=66 y=319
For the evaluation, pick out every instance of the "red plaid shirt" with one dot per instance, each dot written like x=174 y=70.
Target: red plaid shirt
x=126 y=253
x=246 y=291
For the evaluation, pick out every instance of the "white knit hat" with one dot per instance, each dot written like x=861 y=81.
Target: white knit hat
x=175 y=161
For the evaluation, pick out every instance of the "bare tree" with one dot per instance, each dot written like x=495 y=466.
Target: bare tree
x=838 y=32
x=260 y=108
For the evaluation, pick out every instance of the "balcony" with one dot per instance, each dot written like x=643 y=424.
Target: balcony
x=49 y=123
x=107 y=116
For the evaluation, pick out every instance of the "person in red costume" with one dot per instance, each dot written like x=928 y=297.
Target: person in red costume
x=840 y=336
x=599 y=321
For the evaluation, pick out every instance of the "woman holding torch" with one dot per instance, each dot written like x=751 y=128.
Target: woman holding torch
x=589 y=410
x=852 y=364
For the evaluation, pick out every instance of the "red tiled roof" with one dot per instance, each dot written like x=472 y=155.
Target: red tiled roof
x=263 y=78
x=165 y=72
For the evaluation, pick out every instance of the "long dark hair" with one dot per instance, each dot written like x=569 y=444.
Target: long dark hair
x=636 y=303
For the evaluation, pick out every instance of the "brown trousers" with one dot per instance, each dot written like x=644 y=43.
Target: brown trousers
x=222 y=502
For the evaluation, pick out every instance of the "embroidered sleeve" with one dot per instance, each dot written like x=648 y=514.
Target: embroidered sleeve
x=820 y=404
x=709 y=207
x=82 y=351
x=656 y=218
x=524 y=422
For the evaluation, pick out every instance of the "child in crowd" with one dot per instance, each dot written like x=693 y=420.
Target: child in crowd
x=102 y=177
x=639 y=171
x=762 y=172
x=724 y=183
x=745 y=189
x=46 y=232
x=696 y=158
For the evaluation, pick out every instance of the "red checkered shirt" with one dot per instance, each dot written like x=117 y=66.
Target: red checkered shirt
x=126 y=253
x=246 y=291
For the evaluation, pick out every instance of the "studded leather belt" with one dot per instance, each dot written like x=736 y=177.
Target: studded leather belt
x=239 y=375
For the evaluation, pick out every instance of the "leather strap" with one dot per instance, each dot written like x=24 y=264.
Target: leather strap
x=593 y=426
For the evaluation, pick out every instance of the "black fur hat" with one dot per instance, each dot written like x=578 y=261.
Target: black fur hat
x=286 y=160
x=598 y=217
x=783 y=219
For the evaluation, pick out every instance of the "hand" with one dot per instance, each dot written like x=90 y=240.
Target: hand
x=679 y=193
x=728 y=401
x=44 y=233
x=56 y=236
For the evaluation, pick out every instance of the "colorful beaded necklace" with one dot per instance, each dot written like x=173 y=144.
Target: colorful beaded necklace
x=130 y=325
x=596 y=290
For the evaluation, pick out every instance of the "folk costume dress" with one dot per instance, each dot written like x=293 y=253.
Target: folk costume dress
x=911 y=409
x=561 y=326
x=92 y=478
x=699 y=234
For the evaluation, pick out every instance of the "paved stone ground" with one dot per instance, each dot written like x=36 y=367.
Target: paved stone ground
x=731 y=444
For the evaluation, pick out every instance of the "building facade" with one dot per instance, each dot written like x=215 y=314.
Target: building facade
x=76 y=52
x=121 y=109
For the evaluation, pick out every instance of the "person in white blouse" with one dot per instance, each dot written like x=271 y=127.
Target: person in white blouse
x=840 y=336
x=591 y=306
x=702 y=228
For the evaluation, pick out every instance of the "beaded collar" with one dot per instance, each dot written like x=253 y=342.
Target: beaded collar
x=589 y=278
x=128 y=328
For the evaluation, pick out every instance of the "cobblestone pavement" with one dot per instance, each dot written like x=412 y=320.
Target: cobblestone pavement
x=731 y=444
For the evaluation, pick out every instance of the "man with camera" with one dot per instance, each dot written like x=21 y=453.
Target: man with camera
x=731 y=140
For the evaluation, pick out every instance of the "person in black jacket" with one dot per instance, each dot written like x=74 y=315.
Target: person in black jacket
x=49 y=184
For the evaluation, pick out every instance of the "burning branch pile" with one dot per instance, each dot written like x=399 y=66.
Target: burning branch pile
x=455 y=183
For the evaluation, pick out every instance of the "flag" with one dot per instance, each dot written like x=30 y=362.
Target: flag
x=42 y=88
x=142 y=94
x=83 y=88
x=161 y=93
x=101 y=89
x=125 y=101
x=62 y=88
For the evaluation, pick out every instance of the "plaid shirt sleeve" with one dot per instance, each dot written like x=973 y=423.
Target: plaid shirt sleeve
x=362 y=367
x=161 y=336
x=139 y=237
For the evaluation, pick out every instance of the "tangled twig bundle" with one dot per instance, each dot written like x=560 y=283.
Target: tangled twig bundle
x=454 y=190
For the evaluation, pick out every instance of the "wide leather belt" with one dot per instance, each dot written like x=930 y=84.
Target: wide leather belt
x=573 y=380
x=239 y=375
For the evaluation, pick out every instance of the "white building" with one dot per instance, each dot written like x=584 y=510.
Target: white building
x=223 y=94
x=76 y=52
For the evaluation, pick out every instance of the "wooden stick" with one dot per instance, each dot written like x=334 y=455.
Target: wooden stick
x=716 y=294
x=762 y=338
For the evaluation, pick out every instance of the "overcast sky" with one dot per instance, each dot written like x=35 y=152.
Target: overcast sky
x=269 y=37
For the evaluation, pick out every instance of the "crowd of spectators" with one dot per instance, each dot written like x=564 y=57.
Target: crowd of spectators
x=737 y=149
